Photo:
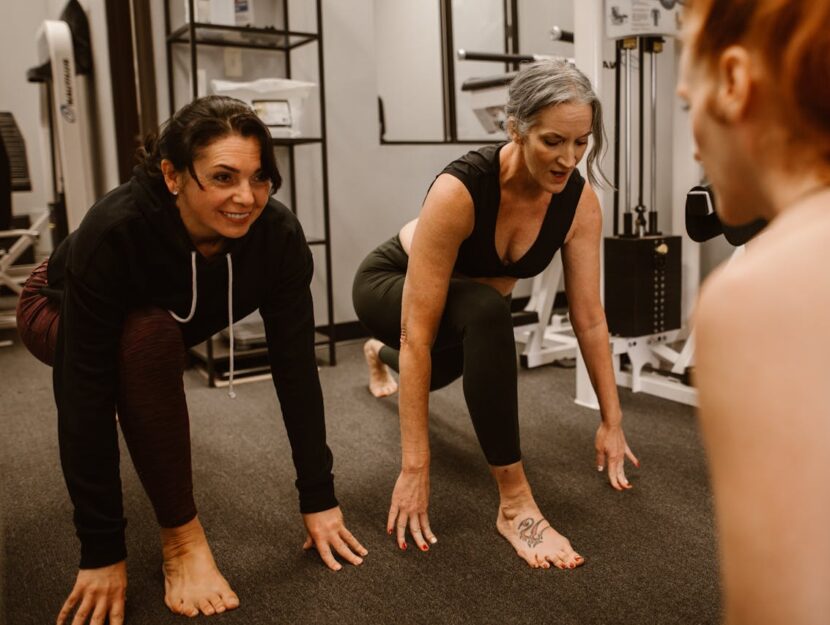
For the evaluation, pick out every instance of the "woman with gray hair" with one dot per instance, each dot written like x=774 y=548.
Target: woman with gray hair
x=436 y=297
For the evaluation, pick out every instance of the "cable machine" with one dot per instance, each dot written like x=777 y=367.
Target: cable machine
x=642 y=265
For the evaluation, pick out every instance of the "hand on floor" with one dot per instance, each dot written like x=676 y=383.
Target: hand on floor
x=612 y=449
x=410 y=500
x=98 y=594
x=327 y=532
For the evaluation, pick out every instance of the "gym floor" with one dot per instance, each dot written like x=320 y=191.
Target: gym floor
x=651 y=552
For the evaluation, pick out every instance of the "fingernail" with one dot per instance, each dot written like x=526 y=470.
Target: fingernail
x=433 y=540
x=359 y=561
x=389 y=532
x=424 y=548
x=599 y=468
x=571 y=565
x=404 y=547
x=365 y=553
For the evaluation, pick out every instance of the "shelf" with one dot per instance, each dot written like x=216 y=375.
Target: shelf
x=280 y=41
x=221 y=350
x=295 y=140
x=242 y=37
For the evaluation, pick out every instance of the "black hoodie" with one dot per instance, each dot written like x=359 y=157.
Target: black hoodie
x=132 y=250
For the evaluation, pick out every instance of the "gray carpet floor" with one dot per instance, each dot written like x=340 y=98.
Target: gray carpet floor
x=651 y=552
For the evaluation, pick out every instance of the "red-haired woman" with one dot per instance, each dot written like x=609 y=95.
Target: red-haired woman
x=756 y=76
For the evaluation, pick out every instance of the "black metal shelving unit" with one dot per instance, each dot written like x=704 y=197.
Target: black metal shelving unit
x=213 y=354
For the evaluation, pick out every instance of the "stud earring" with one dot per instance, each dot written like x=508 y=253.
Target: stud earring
x=175 y=192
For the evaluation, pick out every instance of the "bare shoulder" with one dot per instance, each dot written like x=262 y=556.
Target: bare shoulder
x=588 y=217
x=759 y=319
x=447 y=216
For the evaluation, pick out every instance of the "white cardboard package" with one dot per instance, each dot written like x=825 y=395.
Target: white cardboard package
x=279 y=102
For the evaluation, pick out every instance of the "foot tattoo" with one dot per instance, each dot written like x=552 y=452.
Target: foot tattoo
x=529 y=531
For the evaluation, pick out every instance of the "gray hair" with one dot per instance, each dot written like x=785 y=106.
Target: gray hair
x=550 y=82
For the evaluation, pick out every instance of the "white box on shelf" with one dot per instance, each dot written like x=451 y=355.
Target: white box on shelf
x=212 y=12
x=244 y=12
x=279 y=102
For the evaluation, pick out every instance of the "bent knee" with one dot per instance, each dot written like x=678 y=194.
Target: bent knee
x=488 y=310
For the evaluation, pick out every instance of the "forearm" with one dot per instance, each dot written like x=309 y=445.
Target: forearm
x=596 y=352
x=415 y=372
x=295 y=377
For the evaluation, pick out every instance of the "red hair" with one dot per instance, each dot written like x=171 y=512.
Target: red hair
x=793 y=39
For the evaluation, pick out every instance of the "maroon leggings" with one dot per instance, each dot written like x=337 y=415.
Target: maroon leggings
x=151 y=405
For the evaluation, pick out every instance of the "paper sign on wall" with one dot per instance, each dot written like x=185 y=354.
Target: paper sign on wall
x=638 y=18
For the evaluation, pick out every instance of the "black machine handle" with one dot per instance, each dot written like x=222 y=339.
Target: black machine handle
x=497 y=57
x=703 y=223
x=559 y=34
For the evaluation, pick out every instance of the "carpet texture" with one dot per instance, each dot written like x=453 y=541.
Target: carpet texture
x=651 y=552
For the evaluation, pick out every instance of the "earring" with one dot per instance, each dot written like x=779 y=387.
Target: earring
x=175 y=192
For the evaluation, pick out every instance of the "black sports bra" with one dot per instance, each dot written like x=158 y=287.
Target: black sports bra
x=478 y=170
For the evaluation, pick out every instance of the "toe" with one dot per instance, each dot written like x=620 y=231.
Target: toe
x=217 y=603
x=206 y=607
x=230 y=600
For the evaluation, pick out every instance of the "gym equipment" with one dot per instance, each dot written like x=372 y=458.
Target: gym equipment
x=642 y=266
x=16 y=244
x=66 y=61
x=702 y=222
x=488 y=94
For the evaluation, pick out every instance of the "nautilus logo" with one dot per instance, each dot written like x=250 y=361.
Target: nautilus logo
x=68 y=113
x=67 y=110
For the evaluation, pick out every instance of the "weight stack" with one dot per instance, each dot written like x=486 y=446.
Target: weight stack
x=642 y=285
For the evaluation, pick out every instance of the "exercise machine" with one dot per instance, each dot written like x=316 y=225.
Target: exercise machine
x=18 y=236
x=642 y=266
x=65 y=66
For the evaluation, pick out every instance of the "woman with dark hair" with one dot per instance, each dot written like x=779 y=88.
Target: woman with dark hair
x=437 y=296
x=163 y=262
x=756 y=77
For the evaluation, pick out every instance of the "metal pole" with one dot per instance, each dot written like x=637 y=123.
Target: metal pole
x=652 y=226
x=628 y=131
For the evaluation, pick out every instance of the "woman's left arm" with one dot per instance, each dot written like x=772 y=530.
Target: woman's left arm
x=581 y=261
x=289 y=326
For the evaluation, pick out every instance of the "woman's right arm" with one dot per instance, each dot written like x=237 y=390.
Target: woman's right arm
x=446 y=219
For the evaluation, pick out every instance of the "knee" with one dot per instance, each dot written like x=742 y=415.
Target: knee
x=151 y=336
x=489 y=311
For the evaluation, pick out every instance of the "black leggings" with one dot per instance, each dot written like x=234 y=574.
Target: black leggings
x=475 y=337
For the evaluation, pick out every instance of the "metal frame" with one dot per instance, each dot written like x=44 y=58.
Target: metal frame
x=193 y=32
x=511 y=45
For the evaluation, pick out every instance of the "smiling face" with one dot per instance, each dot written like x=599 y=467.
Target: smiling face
x=555 y=143
x=233 y=192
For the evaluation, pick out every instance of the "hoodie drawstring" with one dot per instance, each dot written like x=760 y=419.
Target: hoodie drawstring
x=231 y=392
x=192 y=290
x=192 y=312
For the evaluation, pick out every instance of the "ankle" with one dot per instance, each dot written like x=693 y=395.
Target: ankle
x=511 y=504
x=178 y=540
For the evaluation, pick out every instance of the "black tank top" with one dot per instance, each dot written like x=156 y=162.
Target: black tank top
x=477 y=256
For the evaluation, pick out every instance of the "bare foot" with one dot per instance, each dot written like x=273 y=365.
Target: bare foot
x=534 y=539
x=381 y=382
x=192 y=583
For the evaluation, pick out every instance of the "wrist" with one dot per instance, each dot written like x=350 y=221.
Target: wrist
x=613 y=419
x=414 y=460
